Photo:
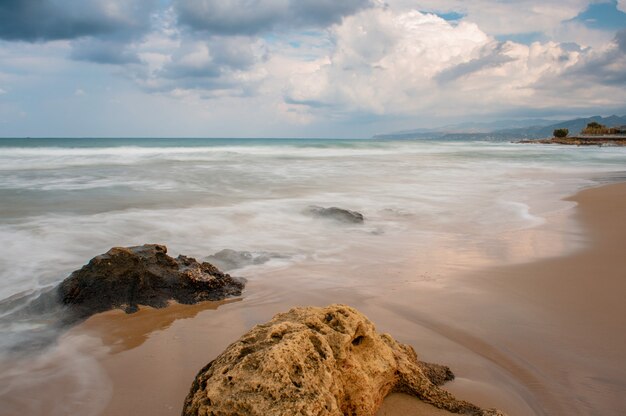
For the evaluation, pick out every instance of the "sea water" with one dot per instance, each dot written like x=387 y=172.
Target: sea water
x=63 y=201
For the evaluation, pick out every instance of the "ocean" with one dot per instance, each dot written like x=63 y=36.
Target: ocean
x=63 y=201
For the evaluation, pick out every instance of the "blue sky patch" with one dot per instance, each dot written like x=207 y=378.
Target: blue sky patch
x=451 y=16
x=603 y=16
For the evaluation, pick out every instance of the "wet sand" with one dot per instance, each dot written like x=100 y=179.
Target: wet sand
x=541 y=338
x=558 y=326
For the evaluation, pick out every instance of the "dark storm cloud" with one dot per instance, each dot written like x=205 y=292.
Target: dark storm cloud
x=255 y=16
x=42 y=20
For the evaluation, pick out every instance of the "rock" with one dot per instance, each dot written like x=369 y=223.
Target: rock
x=338 y=214
x=228 y=259
x=126 y=277
x=317 y=361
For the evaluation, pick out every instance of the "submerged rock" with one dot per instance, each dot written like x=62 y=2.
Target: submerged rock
x=317 y=361
x=228 y=259
x=126 y=277
x=338 y=214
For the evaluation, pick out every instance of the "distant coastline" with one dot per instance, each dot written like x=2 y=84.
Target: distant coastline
x=507 y=130
x=580 y=141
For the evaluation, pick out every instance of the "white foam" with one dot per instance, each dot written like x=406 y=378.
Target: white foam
x=198 y=200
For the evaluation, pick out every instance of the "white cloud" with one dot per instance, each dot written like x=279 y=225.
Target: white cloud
x=382 y=64
x=411 y=63
x=621 y=5
x=500 y=17
x=384 y=60
x=380 y=61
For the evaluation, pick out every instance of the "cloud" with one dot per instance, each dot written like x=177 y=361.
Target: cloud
x=248 y=17
x=620 y=40
x=493 y=57
x=606 y=66
x=621 y=5
x=181 y=64
x=410 y=63
x=336 y=65
x=103 y=52
x=502 y=17
x=385 y=62
x=43 y=20
x=212 y=58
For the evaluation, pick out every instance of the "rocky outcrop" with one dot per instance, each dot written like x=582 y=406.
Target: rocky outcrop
x=317 y=361
x=337 y=214
x=126 y=277
x=578 y=141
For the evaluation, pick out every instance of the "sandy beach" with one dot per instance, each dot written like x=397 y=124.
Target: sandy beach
x=557 y=325
x=542 y=337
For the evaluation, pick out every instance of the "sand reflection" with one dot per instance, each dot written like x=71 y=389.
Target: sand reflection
x=121 y=331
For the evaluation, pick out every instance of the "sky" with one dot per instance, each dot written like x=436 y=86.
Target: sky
x=302 y=68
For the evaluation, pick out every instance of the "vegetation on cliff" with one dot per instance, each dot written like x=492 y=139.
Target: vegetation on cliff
x=597 y=129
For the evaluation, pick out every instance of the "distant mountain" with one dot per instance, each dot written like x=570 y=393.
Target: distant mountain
x=503 y=130
x=472 y=128
x=489 y=127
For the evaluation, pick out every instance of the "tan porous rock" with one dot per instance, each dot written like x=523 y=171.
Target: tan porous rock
x=317 y=361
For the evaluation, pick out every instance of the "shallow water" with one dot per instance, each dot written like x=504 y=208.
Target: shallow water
x=441 y=207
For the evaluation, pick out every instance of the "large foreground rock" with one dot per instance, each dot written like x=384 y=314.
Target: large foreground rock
x=317 y=361
x=126 y=277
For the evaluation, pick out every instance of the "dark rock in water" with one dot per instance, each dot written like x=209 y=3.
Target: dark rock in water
x=122 y=278
x=339 y=214
x=228 y=259
x=126 y=277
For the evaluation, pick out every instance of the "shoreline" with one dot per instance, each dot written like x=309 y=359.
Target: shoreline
x=494 y=327
x=580 y=298
x=565 y=317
